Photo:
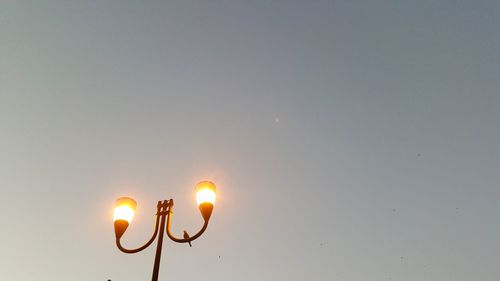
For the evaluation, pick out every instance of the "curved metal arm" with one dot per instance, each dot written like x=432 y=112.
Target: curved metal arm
x=185 y=240
x=132 y=251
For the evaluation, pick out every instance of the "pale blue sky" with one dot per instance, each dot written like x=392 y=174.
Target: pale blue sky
x=350 y=140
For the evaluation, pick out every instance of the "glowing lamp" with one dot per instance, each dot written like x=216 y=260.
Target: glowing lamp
x=125 y=209
x=205 y=196
x=123 y=214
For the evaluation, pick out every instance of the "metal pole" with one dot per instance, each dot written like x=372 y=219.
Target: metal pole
x=156 y=267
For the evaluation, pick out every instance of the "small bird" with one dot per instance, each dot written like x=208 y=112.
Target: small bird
x=186 y=236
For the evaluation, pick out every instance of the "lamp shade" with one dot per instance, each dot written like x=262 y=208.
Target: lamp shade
x=123 y=214
x=205 y=197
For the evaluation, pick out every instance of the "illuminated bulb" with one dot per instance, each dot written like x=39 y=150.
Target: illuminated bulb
x=205 y=196
x=205 y=192
x=125 y=209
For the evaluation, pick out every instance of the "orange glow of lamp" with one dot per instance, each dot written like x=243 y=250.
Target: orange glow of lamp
x=123 y=214
x=205 y=197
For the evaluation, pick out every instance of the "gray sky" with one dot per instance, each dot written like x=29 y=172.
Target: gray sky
x=350 y=140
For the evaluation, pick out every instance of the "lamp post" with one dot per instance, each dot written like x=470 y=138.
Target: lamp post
x=124 y=212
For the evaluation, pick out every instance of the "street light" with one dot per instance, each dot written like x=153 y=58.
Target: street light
x=125 y=209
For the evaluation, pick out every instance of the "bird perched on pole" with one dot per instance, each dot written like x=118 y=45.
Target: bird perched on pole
x=186 y=236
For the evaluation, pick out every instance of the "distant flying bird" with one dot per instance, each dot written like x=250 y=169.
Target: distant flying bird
x=186 y=236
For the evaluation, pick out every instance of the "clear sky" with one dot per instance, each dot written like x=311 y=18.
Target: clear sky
x=350 y=140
